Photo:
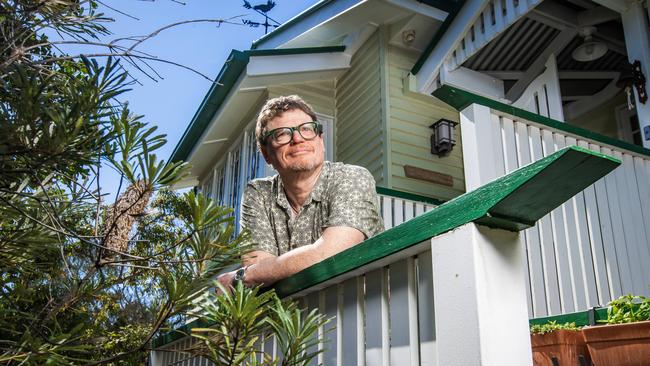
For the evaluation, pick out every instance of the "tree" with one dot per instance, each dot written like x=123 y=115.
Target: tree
x=84 y=281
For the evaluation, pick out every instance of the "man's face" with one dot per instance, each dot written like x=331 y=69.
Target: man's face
x=299 y=155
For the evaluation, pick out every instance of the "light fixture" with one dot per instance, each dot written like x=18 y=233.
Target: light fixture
x=442 y=138
x=408 y=36
x=589 y=50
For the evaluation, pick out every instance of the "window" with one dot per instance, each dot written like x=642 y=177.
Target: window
x=219 y=186
x=235 y=183
x=628 y=125
x=206 y=187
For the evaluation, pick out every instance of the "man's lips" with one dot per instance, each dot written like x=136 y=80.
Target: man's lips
x=299 y=152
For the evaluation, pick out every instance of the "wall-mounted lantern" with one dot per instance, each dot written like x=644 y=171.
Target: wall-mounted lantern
x=442 y=138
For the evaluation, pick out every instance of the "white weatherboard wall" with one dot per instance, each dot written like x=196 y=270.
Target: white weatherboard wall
x=359 y=133
x=410 y=116
x=593 y=248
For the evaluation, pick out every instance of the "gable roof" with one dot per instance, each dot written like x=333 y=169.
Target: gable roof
x=231 y=71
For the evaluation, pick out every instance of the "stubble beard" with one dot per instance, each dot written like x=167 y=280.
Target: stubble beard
x=305 y=166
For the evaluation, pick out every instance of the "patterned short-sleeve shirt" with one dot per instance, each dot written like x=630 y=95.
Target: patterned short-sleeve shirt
x=344 y=195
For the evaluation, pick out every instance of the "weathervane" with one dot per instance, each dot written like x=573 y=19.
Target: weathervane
x=262 y=9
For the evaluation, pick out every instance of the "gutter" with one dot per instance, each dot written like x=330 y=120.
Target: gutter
x=231 y=70
x=312 y=9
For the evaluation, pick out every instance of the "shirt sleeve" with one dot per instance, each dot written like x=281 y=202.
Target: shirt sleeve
x=255 y=218
x=354 y=203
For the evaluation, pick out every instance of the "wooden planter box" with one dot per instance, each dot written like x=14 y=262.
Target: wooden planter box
x=560 y=348
x=619 y=344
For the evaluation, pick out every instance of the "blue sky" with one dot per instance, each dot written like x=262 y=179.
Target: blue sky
x=170 y=103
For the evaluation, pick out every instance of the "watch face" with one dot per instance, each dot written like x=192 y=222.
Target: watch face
x=239 y=275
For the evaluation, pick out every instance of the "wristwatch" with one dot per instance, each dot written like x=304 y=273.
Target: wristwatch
x=240 y=275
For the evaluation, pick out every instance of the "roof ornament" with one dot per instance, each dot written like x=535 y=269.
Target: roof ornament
x=261 y=9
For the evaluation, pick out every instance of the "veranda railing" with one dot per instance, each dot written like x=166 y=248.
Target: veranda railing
x=381 y=295
x=593 y=248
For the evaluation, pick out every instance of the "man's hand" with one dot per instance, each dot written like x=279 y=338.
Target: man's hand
x=225 y=279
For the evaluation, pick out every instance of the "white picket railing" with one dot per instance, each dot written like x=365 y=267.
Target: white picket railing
x=411 y=292
x=595 y=247
x=382 y=303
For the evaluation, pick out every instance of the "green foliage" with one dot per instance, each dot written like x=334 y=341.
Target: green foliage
x=628 y=309
x=243 y=317
x=82 y=280
x=553 y=326
x=296 y=333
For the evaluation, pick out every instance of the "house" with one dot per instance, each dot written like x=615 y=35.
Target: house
x=522 y=78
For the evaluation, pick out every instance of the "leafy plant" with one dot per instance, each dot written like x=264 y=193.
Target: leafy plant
x=628 y=309
x=552 y=326
x=243 y=318
x=83 y=280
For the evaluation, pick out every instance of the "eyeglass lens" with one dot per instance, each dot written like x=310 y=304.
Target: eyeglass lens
x=284 y=134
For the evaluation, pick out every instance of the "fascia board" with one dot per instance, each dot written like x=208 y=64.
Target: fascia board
x=444 y=42
x=303 y=22
x=421 y=7
x=272 y=65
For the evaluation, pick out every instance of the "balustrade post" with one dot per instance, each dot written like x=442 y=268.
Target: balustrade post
x=479 y=145
x=156 y=358
x=480 y=298
x=635 y=29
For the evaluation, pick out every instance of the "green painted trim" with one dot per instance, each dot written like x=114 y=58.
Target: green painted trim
x=178 y=333
x=512 y=202
x=460 y=99
x=226 y=80
x=228 y=76
x=581 y=318
x=408 y=196
x=295 y=51
x=453 y=12
x=291 y=22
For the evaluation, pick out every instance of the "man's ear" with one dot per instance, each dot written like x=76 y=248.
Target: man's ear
x=265 y=154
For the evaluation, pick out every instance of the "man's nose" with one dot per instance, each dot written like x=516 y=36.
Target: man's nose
x=296 y=137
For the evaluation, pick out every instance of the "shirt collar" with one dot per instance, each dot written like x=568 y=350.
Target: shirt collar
x=316 y=193
x=321 y=184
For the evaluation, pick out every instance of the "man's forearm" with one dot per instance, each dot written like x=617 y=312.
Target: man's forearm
x=272 y=269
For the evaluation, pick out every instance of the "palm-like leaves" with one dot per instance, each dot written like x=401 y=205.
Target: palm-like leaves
x=243 y=317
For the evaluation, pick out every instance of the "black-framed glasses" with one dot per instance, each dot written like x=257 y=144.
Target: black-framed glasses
x=284 y=135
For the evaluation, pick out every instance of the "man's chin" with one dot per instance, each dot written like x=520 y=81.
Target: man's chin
x=302 y=166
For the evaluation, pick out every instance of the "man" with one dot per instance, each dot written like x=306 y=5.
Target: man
x=310 y=210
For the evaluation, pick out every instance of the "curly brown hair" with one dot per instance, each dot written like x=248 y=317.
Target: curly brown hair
x=275 y=107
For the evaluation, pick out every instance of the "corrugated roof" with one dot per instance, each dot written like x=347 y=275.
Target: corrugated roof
x=515 y=49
